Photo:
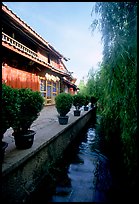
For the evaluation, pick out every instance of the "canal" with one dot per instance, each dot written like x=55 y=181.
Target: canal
x=82 y=175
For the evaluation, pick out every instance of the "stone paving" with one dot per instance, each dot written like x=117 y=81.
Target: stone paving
x=46 y=126
x=48 y=116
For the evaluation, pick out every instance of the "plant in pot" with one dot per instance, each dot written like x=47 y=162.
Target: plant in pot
x=93 y=101
x=86 y=102
x=30 y=104
x=63 y=103
x=9 y=108
x=78 y=101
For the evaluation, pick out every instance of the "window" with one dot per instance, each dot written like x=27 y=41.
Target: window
x=43 y=87
x=54 y=89
x=48 y=89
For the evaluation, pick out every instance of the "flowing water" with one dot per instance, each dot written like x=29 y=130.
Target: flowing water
x=83 y=175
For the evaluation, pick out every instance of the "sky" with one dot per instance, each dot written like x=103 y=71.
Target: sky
x=66 y=26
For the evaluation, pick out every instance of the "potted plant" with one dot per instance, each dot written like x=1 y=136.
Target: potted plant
x=78 y=101
x=9 y=107
x=86 y=102
x=93 y=101
x=63 y=103
x=30 y=104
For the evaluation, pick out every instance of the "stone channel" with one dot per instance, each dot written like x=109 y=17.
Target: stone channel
x=24 y=170
x=82 y=175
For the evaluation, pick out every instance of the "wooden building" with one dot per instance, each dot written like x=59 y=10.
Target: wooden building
x=28 y=61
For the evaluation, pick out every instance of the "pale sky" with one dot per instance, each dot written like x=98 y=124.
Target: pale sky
x=66 y=26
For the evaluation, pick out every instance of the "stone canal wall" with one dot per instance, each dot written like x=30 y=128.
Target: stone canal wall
x=22 y=177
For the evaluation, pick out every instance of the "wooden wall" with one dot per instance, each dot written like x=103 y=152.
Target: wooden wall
x=20 y=79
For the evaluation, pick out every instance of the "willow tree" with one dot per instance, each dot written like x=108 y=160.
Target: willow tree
x=118 y=81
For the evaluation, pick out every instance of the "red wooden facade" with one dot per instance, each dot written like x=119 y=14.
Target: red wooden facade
x=28 y=61
x=20 y=79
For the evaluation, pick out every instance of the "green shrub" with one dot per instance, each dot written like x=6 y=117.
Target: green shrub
x=63 y=103
x=86 y=100
x=30 y=104
x=93 y=101
x=78 y=100
x=9 y=106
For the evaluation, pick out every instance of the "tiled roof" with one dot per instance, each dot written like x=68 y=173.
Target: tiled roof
x=21 y=22
x=69 y=82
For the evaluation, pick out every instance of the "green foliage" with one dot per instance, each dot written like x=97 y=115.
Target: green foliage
x=9 y=106
x=115 y=83
x=93 y=101
x=30 y=104
x=78 y=100
x=86 y=100
x=118 y=24
x=63 y=103
x=82 y=87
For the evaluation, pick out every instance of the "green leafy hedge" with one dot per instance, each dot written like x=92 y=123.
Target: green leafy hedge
x=9 y=106
x=30 y=104
x=63 y=103
x=20 y=107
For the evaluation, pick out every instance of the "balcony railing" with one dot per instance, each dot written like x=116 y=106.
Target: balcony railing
x=23 y=48
x=18 y=45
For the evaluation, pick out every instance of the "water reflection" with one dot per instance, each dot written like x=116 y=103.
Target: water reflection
x=88 y=177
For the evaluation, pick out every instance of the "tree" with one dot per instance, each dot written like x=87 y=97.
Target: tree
x=116 y=82
x=82 y=86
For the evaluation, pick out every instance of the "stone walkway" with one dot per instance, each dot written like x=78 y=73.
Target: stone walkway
x=48 y=116
x=46 y=127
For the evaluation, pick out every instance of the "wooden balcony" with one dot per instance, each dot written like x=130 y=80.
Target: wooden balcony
x=20 y=47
